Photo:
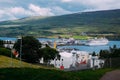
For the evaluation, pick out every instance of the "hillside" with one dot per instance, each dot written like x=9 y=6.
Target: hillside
x=7 y=62
x=32 y=72
x=98 y=21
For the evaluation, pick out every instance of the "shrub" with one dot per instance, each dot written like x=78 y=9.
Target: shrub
x=5 y=52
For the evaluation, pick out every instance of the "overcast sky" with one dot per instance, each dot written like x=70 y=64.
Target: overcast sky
x=14 y=9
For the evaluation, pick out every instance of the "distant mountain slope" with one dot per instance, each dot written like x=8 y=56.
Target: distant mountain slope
x=98 y=21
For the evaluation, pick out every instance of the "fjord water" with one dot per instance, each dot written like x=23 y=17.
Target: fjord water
x=97 y=49
x=89 y=49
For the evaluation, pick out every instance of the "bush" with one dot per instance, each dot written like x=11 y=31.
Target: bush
x=5 y=52
x=28 y=47
x=1 y=43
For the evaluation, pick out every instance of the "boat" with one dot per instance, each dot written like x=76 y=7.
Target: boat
x=97 y=41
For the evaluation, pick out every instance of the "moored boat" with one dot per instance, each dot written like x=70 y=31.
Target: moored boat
x=97 y=41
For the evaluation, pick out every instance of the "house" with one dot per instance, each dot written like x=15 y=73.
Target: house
x=77 y=60
x=9 y=44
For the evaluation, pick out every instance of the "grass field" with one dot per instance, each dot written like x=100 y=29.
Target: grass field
x=48 y=74
x=7 y=62
x=75 y=37
x=33 y=72
x=81 y=37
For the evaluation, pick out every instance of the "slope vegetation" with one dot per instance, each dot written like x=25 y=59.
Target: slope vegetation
x=98 y=21
x=33 y=72
x=6 y=62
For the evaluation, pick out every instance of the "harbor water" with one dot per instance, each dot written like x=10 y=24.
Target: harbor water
x=89 y=49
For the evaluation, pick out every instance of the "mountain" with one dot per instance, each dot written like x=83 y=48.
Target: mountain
x=97 y=21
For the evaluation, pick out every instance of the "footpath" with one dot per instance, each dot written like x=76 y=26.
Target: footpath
x=113 y=75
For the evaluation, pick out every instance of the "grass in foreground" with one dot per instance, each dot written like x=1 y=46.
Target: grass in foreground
x=7 y=62
x=48 y=74
x=33 y=72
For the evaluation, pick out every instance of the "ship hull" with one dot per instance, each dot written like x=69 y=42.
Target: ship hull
x=95 y=42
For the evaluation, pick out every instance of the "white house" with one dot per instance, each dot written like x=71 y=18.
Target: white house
x=75 y=59
x=9 y=44
x=95 y=62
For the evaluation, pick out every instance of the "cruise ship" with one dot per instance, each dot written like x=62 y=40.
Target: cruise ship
x=97 y=41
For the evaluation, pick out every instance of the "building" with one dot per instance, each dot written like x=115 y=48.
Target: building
x=9 y=44
x=76 y=60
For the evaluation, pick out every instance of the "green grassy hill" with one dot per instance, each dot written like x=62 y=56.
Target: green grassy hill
x=98 y=21
x=7 y=62
x=44 y=74
x=33 y=72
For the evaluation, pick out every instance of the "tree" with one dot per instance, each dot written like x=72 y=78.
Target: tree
x=104 y=54
x=114 y=51
x=5 y=52
x=111 y=53
x=94 y=54
x=49 y=54
x=1 y=43
x=30 y=48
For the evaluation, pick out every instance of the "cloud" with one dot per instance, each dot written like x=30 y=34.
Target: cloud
x=51 y=11
x=13 y=13
x=19 y=12
x=60 y=11
x=66 y=0
x=31 y=10
x=6 y=16
x=96 y=4
x=101 y=4
x=13 y=9
x=6 y=1
x=37 y=10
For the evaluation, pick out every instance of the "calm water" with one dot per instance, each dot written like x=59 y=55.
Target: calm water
x=8 y=38
x=90 y=49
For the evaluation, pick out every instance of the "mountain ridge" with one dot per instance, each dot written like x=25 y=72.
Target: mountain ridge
x=97 y=21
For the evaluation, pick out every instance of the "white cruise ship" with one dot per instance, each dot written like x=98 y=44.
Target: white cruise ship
x=97 y=41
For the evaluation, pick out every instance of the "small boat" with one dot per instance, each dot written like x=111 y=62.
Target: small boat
x=97 y=41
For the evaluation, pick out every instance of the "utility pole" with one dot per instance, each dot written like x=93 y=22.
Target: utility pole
x=20 y=50
x=11 y=59
x=93 y=62
x=110 y=62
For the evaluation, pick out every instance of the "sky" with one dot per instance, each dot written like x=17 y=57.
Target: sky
x=15 y=9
